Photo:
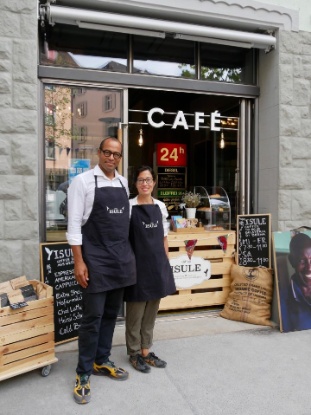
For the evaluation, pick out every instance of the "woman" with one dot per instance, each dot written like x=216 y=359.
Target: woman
x=155 y=280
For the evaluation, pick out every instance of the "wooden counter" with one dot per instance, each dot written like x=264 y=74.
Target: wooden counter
x=213 y=291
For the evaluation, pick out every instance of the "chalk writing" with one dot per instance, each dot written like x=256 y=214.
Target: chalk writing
x=253 y=240
x=57 y=270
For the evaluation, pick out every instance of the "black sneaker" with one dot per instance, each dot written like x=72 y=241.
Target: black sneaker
x=82 y=389
x=154 y=360
x=109 y=369
x=139 y=364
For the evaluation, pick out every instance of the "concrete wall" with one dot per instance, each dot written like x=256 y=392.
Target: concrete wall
x=19 y=235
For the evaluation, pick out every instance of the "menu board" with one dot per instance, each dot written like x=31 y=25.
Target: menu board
x=57 y=270
x=254 y=240
x=171 y=178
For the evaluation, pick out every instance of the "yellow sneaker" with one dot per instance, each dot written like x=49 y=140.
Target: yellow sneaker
x=82 y=389
x=109 y=369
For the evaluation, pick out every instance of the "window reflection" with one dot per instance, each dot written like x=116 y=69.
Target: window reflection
x=168 y=56
x=75 y=122
x=70 y=46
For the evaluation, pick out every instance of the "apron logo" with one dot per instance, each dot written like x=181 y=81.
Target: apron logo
x=115 y=210
x=150 y=225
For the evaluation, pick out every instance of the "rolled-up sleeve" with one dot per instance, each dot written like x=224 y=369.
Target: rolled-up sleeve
x=76 y=207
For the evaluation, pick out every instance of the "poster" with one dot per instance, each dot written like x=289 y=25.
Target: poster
x=292 y=258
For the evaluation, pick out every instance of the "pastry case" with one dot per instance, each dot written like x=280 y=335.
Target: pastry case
x=214 y=210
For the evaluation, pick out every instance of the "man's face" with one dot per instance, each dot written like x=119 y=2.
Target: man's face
x=304 y=262
x=108 y=163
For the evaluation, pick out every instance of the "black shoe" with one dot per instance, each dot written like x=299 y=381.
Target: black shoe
x=109 y=369
x=154 y=360
x=139 y=364
x=82 y=389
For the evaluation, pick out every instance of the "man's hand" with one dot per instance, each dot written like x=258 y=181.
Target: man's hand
x=81 y=274
x=80 y=268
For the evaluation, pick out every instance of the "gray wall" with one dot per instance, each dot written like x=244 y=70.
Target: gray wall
x=295 y=131
x=19 y=235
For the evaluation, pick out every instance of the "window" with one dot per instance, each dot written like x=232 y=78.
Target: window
x=81 y=110
x=74 y=126
x=109 y=102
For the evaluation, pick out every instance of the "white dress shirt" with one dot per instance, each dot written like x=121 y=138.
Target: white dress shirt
x=81 y=198
x=166 y=224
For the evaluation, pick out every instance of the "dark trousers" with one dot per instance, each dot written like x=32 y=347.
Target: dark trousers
x=100 y=312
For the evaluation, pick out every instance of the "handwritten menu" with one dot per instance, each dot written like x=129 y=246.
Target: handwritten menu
x=254 y=240
x=171 y=178
x=57 y=270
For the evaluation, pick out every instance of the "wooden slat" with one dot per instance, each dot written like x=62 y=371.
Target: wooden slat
x=34 y=362
x=194 y=300
x=37 y=304
x=26 y=353
x=27 y=330
x=24 y=344
x=25 y=316
x=211 y=283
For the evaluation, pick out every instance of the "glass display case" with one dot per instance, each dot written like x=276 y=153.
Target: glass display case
x=214 y=210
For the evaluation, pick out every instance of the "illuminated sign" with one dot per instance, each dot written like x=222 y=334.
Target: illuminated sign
x=180 y=120
x=171 y=154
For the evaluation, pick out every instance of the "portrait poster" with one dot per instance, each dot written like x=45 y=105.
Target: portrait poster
x=292 y=263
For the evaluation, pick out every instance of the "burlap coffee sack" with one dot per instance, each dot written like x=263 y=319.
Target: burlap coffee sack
x=250 y=297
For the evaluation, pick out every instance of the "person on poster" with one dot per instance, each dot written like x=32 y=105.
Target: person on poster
x=298 y=316
x=148 y=235
x=104 y=263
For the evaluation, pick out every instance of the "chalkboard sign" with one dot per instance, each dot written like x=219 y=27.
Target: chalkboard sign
x=57 y=270
x=254 y=240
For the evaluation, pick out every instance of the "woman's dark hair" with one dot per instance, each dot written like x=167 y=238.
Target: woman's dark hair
x=144 y=168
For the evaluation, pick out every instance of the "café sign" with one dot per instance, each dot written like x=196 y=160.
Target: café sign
x=189 y=272
x=180 y=120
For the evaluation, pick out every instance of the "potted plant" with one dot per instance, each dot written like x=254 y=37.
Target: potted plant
x=191 y=201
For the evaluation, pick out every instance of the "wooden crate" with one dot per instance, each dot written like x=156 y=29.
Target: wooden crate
x=27 y=334
x=213 y=291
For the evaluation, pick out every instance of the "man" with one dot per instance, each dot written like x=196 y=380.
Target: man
x=98 y=227
x=299 y=298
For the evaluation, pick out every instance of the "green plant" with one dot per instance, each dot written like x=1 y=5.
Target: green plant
x=191 y=200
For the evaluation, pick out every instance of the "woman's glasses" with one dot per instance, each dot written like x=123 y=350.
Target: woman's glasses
x=107 y=153
x=149 y=180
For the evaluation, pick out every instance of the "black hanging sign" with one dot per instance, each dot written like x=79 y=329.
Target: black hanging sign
x=57 y=270
x=254 y=240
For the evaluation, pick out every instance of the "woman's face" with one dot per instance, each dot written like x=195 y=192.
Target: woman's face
x=304 y=263
x=145 y=183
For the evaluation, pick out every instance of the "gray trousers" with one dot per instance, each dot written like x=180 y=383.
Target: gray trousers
x=139 y=324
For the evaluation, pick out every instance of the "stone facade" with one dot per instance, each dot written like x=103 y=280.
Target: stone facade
x=294 y=205
x=19 y=193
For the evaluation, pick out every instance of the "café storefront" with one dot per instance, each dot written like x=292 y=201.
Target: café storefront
x=182 y=103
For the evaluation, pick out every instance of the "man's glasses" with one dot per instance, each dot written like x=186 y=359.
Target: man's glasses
x=108 y=153
x=149 y=180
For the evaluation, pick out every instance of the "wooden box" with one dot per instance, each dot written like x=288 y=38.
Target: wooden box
x=213 y=291
x=27 y=334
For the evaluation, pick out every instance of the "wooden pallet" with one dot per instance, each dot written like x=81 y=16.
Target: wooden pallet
x=27 y=335
x=213 y=291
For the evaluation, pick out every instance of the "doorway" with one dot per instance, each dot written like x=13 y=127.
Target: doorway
x=212 y=156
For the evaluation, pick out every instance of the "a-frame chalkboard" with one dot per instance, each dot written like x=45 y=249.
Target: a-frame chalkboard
x=254 y=240
x=57 y=270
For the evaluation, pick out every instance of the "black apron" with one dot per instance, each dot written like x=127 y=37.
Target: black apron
x=106 y=248
x=154 y=274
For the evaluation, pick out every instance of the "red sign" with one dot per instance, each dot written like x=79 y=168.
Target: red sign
x=171 y=154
